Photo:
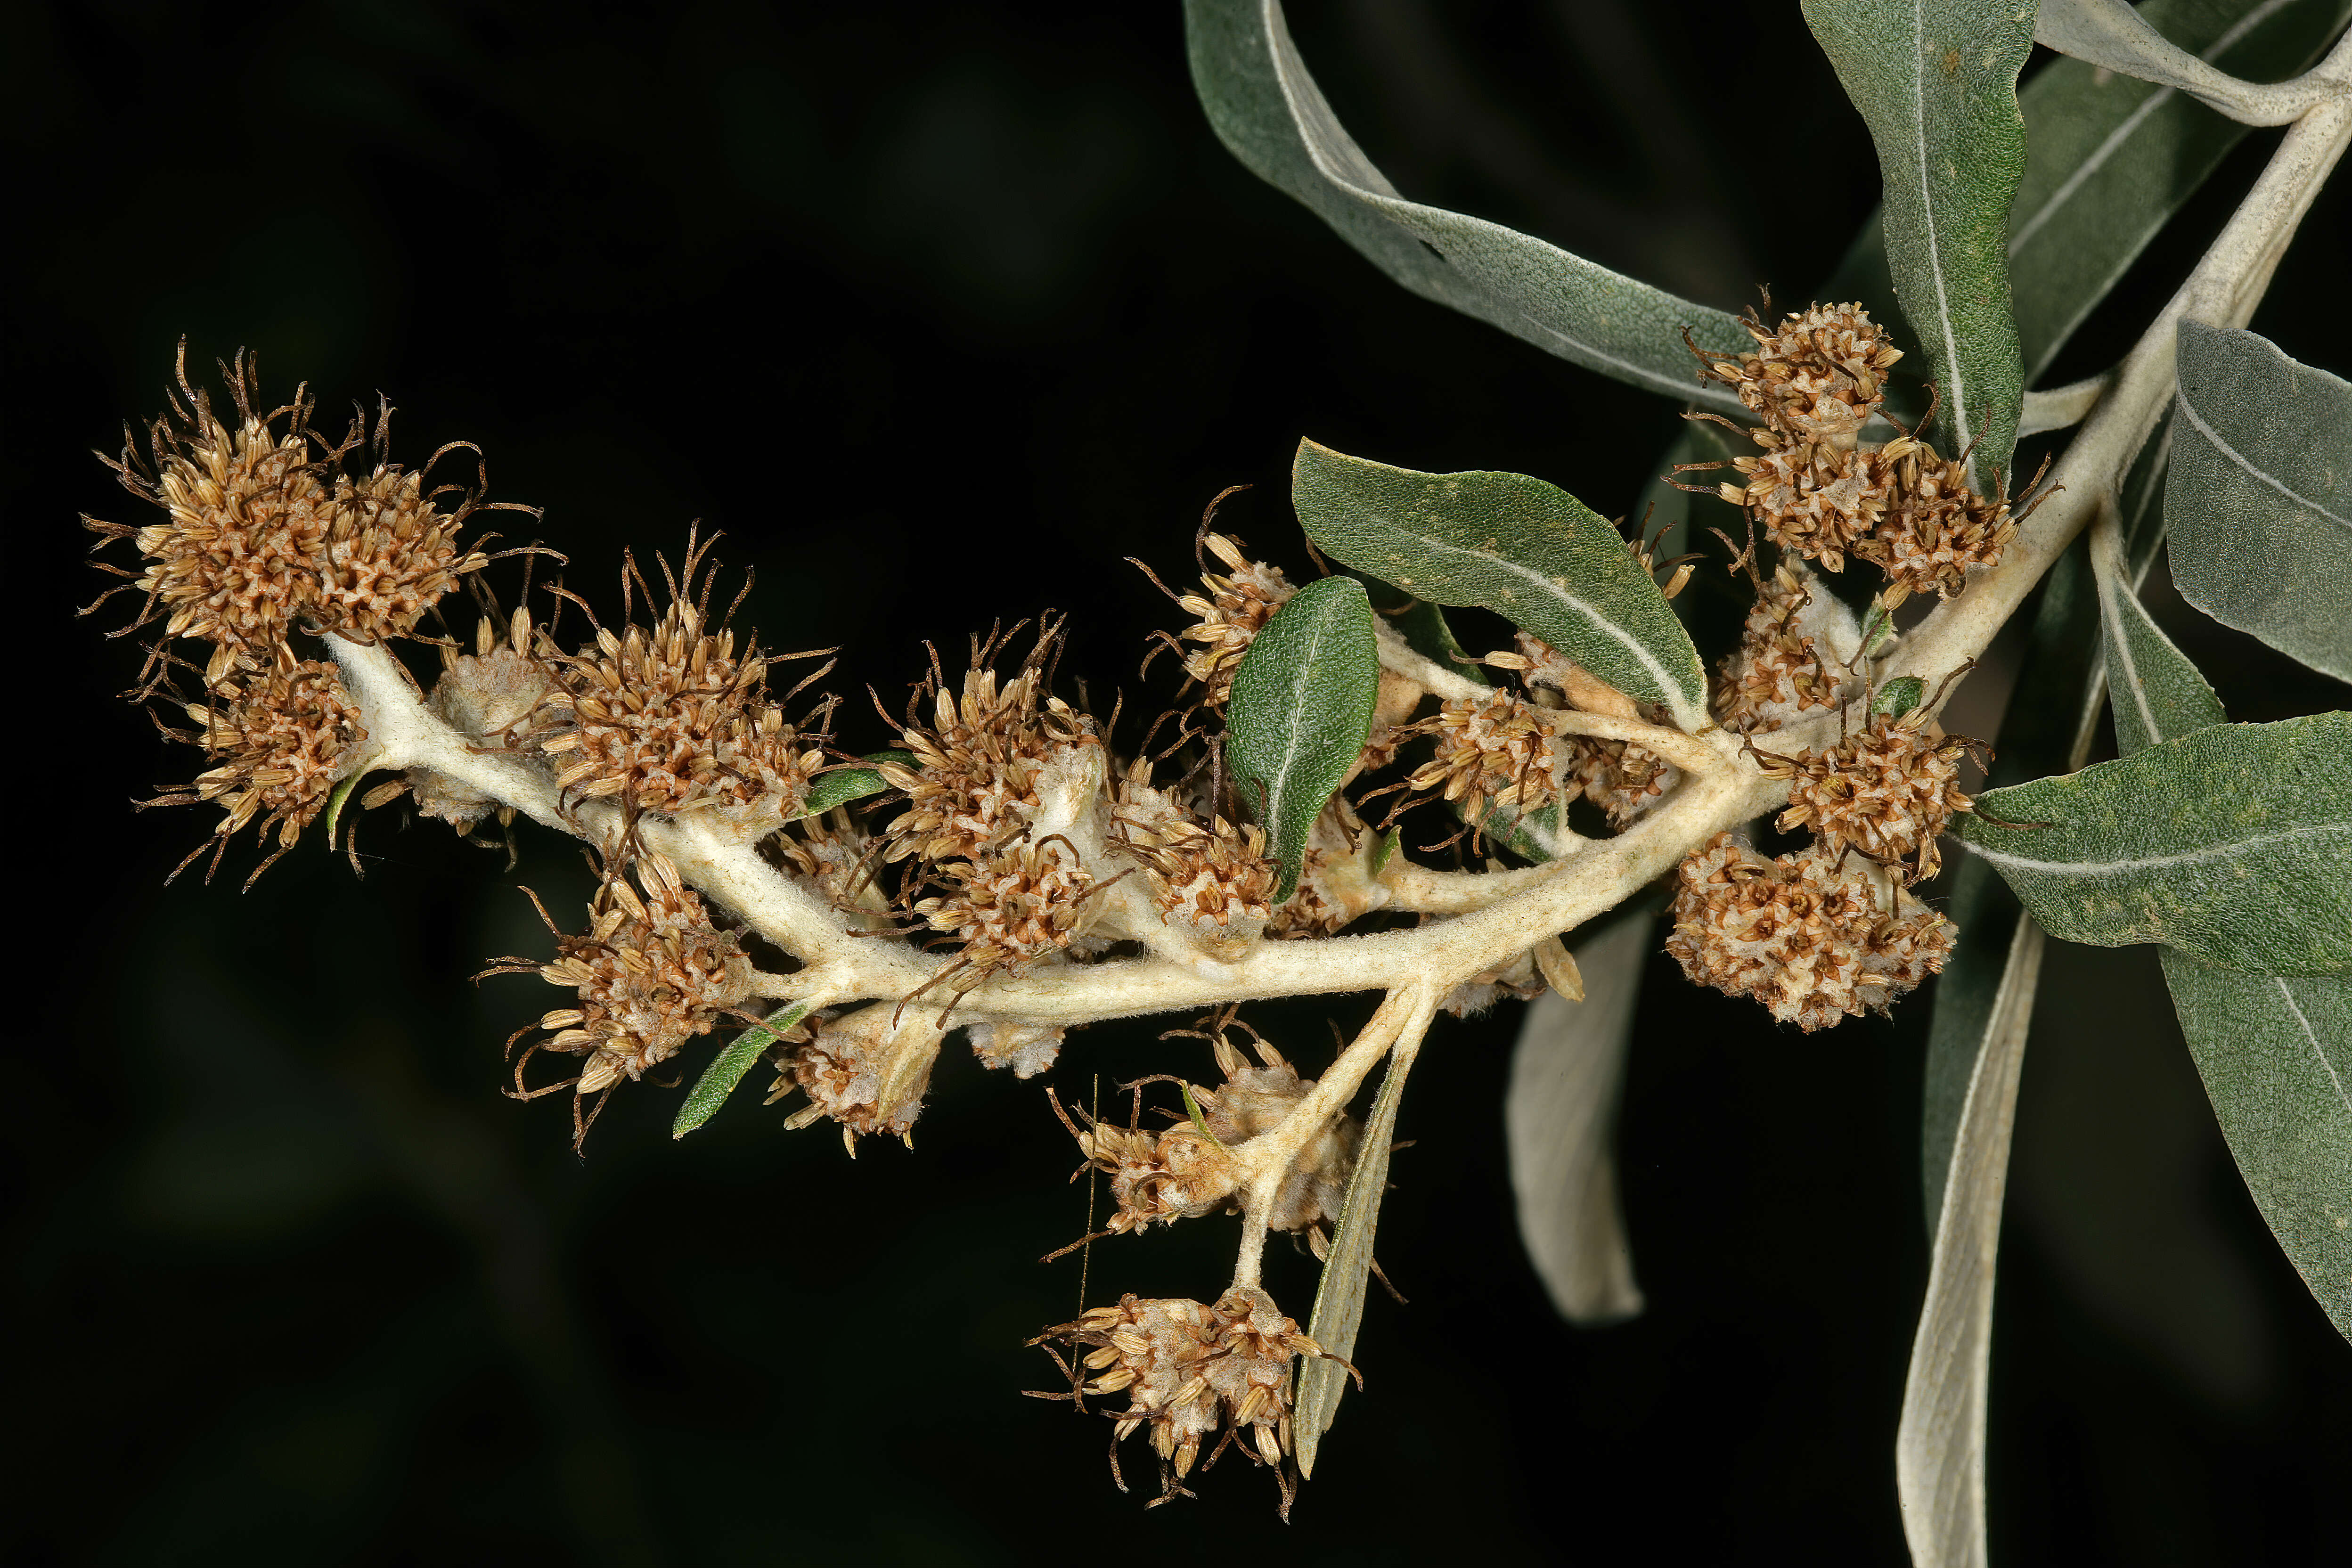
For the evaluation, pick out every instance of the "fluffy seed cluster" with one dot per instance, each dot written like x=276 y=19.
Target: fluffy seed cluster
x=1190 y=1369
x=1885 y=793
x=1793 y=654
x=651 y=973
x=1813 y=940
x=670 y=720
x=287 y=732
x=1228 y=616
x=1816 y=379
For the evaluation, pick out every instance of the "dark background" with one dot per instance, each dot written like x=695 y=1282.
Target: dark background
x=939 y=311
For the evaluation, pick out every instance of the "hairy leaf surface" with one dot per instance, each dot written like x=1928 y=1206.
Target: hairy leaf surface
x=2260 y=502
x=1268 y=111
x=1559 y=1119
x=843 y=785
x=728 y=1068
x=1301 y=710
x=1528 y=551
x=1936 y=80
x=1339 y=1297
x=2232 y=842
x=2154 y=689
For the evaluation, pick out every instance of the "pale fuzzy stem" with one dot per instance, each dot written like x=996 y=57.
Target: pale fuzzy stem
x=1418 y=890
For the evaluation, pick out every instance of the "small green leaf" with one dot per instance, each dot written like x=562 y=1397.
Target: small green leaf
x=843 y=785
x=1269 y=113
x=728 y=1068
x=335 y=803
x=1339 y=1296
x=1528 y=551
x=1899 y=696
x=2232 y=842
x=1192 y=1109
x=2260 y=502
x=1936 y=80
x=2275 y=1054
x=1384 y=849
x=2155 y=690
x=1301 y=710
x=1559 y=1117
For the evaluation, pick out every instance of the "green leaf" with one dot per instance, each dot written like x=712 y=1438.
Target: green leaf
x=2155 y=690
x=1559 y=1119
x=2275 y=1054
x=843 y=785
x=2260 y=502
x=728 y=1068
x=1269 y=113
x=1528 y=551
x=1899 y=696
x=1301 y=710
x=1339 y=1296
x=2232 y=842
x=1937 y=82
x=2110 y=159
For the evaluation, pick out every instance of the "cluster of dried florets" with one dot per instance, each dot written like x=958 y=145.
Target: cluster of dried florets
x=1884 y=795
x=1815 y=936
x=1816 y=380
x=266 y=538
x=1189 y=1370
x=1228 y=615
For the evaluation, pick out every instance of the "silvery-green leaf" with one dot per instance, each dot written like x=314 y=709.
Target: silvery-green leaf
x=2275 y=1053
x=2109 y=159
x=1301 y=710
x=1268 y=111
x=1559 y=1120
x=2153 y=687
x=2141 y=507
x=1528 y=551
x=728 y=1068
x=2259 y=505
x=1939 y=1440
x=2110 y=35
x=1936 y=80
x=843 y=785
x=1899 y=696
x=1339 y=1297
x=2232 y=842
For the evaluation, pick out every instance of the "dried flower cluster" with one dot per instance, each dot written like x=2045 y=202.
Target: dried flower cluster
x=1189 y=1370
x=1814 y=937
x=1816 y=380
x=1885 y=793
x=1229 y=616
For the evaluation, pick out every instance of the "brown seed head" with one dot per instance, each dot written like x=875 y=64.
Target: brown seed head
x=1886 y=793
x=289 y=733
x=1229 y=617
x=867 y=1070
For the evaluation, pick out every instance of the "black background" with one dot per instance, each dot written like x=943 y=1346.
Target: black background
x=939 y=311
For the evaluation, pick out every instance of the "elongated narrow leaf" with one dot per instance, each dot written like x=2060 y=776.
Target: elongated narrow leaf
x=2275 y=1053
x=1340 y=1298
x=1528 y=551
x=2154 y=689
x=1558 y=1119
x=2109 y=158
x=1268 y=111
x=2260 y=502
x=728 y=1068
x=2232 y=842
x=1936 y=80
x=1939 y=1440
x=2111 y=34
x=1301 y=710
x=843 y=785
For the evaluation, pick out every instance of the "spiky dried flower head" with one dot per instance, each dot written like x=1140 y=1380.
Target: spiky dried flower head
x=867 y=1070
x=1819 y=376
x=651 y=973
x=1189 y=1370
x=1815 y=936
x=487 y=696
x=1210 y=878
x=1159 y=1178
x=1886 y=792
x=1227 y=617
x=1621 y=778
x=1501 y=752
x=1009 y=906
x=288 y=733
x=1793 y=654
x=672 y=720
x=1817 y=498
x=263 y=535
x=1936 y=530
x=1256 y=1100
